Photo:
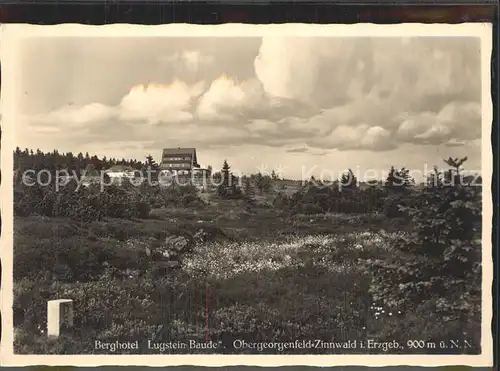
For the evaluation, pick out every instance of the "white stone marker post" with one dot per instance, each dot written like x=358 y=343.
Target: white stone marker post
x=59 y=316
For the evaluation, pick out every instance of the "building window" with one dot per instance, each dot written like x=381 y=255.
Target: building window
x=185 y=158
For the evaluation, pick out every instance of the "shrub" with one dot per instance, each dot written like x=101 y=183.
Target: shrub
x=348 y=200
x=442 y=257
x=27 y=200
x=86 y=207
x=392 y=207
x=282 y=201
x=310 y=209
x=95 y=308
x=229 y=192
x=143 y=209
x=188 y=199
x=30 y=303
x=22 y=205
x=37 y=258
x=87 y=203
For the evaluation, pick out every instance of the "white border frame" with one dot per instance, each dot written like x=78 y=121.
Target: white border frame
x=11 y=35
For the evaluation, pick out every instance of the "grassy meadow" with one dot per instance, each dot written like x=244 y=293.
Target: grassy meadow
x=219 y=272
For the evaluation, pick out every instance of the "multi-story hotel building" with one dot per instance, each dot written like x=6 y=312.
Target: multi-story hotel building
x=182 y=163
x=179 y=161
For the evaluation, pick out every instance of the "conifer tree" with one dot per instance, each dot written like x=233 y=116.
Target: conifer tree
x=249 y=188
x=348 y=180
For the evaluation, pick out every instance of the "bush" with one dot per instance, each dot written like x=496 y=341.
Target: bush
x=188 y=199
x=442 y=257
x=229 y=192
x=85 y=204
x=282 y=201
x=310 y=209
x=86 y=207
x=41 y=258
x=352 y=200
x=392 y=207
x=143 y=209
x=95 y=309
x=30 y=304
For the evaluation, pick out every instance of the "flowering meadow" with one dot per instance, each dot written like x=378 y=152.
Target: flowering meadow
x=396 y=265
x=227 y=260
x=299 y=285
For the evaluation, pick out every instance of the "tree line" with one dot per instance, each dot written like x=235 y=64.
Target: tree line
x=55 y=160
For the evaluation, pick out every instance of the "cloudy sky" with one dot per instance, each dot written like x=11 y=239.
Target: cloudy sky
x=302 y=104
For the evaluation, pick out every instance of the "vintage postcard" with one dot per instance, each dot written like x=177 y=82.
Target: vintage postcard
x=246 y=195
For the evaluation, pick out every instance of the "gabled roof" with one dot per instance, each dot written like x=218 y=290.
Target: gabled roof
x=180 y=151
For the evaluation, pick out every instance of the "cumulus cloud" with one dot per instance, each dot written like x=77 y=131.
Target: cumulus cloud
x=464 y=118
x=375 y=92
x=226 y=98
x=318 y=71
x=377 y=138
x=455 y=122
x=362 y=136
x=262 y=128
x=160 y=103
x=329 y=71
x=241 y=103
x=153 y=104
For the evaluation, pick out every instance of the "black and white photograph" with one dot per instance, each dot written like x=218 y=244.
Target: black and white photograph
x=307 y=193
